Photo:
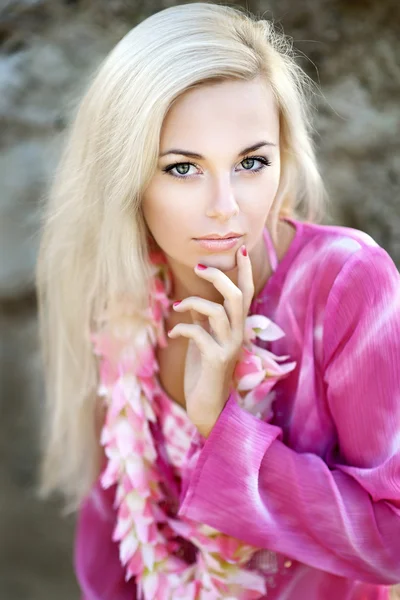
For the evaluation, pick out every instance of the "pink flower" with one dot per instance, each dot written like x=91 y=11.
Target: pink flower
x=135 y=564
x=111 y=473
x=249 y=371
x=150 y=583
x=128 y=547
x=263 y=328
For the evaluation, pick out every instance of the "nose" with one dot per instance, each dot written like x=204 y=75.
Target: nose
x=223 y=205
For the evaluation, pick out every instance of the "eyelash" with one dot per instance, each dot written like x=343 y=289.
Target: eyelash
x=262 y=159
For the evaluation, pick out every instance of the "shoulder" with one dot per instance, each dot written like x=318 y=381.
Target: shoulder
x=331 y=241
x=354 y=282
x=341 y=275
x=354 y=256
x=338 y=256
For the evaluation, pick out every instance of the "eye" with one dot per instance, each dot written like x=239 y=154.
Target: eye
x=181 y=168
x=249 y=161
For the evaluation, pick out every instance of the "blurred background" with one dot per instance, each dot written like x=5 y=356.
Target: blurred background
x=47 y=50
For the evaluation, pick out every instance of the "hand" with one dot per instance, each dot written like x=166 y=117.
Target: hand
x=215 y=340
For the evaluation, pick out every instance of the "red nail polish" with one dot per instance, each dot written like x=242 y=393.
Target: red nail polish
x=176 y=303
x=201 y=267
x=244 y=251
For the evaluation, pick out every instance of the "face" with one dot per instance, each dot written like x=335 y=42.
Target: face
x=218 y=172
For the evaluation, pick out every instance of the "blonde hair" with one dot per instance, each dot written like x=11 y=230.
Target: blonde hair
x=93 y=243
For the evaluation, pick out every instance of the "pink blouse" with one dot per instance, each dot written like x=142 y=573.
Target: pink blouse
x=320 y=484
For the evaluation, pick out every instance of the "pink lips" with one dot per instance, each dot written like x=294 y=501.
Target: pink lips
x=219 y=243
x=217 y=236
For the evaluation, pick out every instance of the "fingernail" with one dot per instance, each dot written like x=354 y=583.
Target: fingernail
x=243 y=250
x=176 y=303
x=201 y=267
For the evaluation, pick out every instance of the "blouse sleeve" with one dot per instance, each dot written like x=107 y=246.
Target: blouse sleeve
x=341 y=515
x=98 y=569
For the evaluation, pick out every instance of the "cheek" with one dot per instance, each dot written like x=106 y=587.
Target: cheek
x=164 y=214
x=263 y=196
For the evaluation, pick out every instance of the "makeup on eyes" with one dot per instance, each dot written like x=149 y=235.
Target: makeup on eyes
x=262 y=159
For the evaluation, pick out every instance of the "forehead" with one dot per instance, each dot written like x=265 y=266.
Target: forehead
x=222 y=113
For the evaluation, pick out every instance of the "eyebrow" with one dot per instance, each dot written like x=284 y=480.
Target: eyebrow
x=200 y=157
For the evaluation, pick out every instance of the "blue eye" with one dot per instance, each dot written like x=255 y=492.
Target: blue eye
x=248 y=160
x=261 y=159
x=182 y=168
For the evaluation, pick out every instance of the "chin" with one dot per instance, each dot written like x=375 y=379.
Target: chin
x=223 y=263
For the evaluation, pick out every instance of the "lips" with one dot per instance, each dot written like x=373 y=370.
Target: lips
x=219 y=244
x=220 y=237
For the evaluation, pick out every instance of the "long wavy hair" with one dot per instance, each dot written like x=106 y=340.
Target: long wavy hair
x=94 y=243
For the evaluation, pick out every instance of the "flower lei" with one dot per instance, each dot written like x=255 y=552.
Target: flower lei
x=155 y=544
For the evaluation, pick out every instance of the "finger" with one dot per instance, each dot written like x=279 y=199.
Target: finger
x=204 y=313
x=203 y=340
x=245 y=278
x=231 y=293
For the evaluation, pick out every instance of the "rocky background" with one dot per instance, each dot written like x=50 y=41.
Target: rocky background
x=47 y=48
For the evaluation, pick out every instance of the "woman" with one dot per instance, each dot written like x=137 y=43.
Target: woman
x=223 y=377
